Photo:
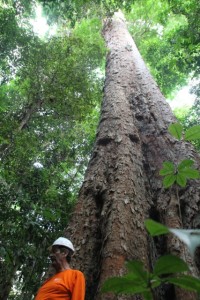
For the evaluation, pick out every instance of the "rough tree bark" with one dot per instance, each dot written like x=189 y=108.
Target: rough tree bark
x=122 y=186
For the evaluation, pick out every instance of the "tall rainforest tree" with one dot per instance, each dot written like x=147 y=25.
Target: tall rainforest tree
x=50 y=90
x=122 y=186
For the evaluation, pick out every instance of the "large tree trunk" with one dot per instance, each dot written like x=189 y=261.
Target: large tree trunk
x=122 y=186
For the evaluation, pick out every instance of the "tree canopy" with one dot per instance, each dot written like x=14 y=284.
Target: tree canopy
x=50 y=95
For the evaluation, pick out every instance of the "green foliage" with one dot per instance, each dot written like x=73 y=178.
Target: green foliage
x=166 y=33
x=193 y=133
x=185 y=169
x=187 y=282
x=167 y=269
x=155 y=228
x=134 y=282
x=179 y=174
x=49 y=110
x=188 y=236
x=168 y=168
x=74 y=10
x=181 y=113
x=176 y=130
x=168 y=264
x=191 y=117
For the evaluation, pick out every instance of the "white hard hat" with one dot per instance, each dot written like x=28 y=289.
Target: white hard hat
x=61 y=241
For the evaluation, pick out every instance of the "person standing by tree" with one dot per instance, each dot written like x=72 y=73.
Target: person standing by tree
x=67 y=283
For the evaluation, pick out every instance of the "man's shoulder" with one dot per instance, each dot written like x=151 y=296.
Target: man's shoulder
x=77 y=272
x=73 y=274
x=74 y=271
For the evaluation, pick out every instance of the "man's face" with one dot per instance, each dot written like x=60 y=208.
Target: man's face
x=57 y=257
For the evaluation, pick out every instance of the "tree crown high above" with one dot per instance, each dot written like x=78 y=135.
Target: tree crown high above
x=166 y=32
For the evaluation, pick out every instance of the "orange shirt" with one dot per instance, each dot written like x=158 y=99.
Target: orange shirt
x=66 y=285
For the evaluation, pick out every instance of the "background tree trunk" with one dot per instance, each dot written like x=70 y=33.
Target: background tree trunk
x=122 y=186
x=6 y=281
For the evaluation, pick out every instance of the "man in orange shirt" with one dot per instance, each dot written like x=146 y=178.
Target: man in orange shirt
x=66 y=284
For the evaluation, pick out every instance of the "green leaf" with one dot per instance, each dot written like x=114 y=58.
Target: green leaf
x=185 y=171
x=124 y=285
x=147 y=295
x=168 y=168
x=181 y=179
x=169 y=264
x=176 y=130
x=155 y=281
x=193 y=133
x=155 y=228
x=190 y=173
x=186 y=163
x=136 y=268
x=169 y=180
x=187 y=282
